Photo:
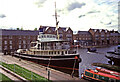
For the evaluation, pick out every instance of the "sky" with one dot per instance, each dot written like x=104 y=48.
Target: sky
x=77 y=14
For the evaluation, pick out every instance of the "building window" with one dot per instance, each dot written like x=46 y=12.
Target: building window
x=19 y=41
x=24 y=46
x=107 y=35
x=0 y=37
x=10 y=41
x=28 y=41
x=10 y=37
x=5 y=42
x=24 y=41
x=69 y=35
x=11 y=47
x=28 y=37
x=5 y=47
x=19 y=37
x=102 y=35
x=96 y=38
x=5 y=37
x=60 y=31
x=96 y=35
x=0 y=47
x=0 y=42
x=69 y=31
x=19 y=46
x=49 y=31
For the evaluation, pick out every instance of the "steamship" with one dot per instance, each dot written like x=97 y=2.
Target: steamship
x=50 y=51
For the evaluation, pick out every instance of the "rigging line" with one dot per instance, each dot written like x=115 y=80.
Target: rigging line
x=73 y=68
x=48 y=63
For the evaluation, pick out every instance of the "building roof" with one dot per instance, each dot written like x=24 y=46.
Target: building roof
x=99 y=30
x=44 y=28
x=114 y=34
x=84 y=32
x=19 y=32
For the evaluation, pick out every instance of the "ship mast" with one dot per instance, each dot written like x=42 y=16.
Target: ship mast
x=56 y=21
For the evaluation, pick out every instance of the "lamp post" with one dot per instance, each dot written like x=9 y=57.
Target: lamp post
x=48 y=70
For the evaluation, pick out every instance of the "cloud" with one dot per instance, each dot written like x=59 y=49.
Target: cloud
x=2 y=16
x=81 y=16
x=75 y=5
x=39 y=3
x=93 y=12
x=77 y=14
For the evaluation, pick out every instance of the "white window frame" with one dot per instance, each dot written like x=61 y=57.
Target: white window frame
x=5 y=42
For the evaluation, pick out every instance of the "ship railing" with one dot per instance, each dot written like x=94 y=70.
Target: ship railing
x=72 y=52
x=50 y=48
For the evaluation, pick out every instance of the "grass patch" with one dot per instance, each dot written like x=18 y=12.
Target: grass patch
x=4 y=78
x=31 y=76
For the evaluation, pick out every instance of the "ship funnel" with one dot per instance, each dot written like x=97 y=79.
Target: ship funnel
x=40 y=30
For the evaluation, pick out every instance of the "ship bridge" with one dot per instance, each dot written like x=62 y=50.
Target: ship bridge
x=48 y=38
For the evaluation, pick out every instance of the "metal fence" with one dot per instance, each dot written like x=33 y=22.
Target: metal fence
x=22 y=71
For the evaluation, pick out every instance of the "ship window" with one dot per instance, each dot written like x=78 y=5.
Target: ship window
x=119 y=47
x=88 y=74
x=55 y=52
x=103 y=78
x=53 y=36
x=117 y=80
x=112 y=80
x=65 y=52
x=58 y=52
x=52 y=53
x=49 y=52
x=96 y=76
x=47 y=36
x=44 y=36
x=39 y=36
x=106 y=78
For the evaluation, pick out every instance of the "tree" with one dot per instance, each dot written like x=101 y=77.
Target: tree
x=18 y=29
x=35 y=29
x=21 y=28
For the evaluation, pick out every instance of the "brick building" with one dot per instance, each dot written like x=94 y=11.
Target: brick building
x=16 y=39
x=97 y=37
x=114 y=37
x=104 y=37
x=83 y=38
x=11 y=40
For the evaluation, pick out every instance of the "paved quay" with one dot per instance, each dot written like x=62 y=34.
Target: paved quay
x=40 y=70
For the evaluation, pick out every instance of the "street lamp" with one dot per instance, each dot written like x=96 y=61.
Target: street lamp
x=48 y=70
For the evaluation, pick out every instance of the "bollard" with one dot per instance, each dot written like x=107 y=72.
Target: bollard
x=48 y=75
